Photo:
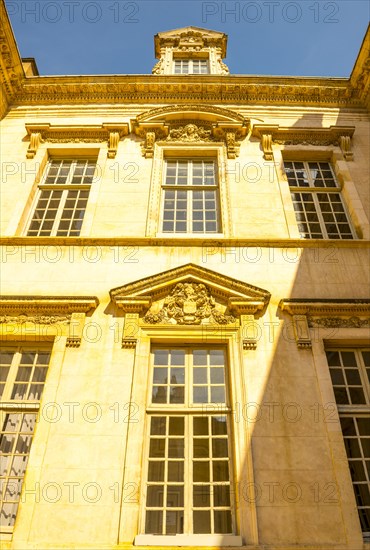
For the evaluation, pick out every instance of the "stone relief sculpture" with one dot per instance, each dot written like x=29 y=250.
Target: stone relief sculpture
x=189 y=304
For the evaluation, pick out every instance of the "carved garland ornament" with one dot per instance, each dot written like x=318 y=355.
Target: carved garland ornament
x=189 y=304
x=36 y=319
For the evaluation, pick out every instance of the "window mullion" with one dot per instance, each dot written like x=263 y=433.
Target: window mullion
x=319 y=215
x=59 y=213
x=12 y=375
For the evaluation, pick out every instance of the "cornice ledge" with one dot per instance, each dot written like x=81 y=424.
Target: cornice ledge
x=324 y=308
x=50 y=304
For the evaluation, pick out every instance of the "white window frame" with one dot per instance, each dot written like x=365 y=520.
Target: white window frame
x=201 y=152
x=21 y=407
x=188 y=410
x=313 y=191
x=354 y=410
x=64 y=189
x=190 y=62
x=190 y=188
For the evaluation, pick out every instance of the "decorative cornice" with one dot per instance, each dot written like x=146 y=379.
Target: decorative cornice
x=359 y=82
x=257 y=90
x=334 y=135
x=53 y=305
x=329 y=313
x=109 y=132
x=11 y=68
x=326 y=308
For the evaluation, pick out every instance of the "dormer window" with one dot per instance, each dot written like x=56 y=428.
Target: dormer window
x=191 y=66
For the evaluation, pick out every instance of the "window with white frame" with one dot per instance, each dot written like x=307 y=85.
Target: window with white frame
x=318 y=205
x=190 y=197
x=350 y=375
x=62 y=198
x=188 y=466
x=191 y=66
x=23 y=371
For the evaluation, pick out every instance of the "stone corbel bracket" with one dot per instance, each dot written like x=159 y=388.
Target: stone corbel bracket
x=66 y=314
x=309 y=314
x=334 y=135
x=150 y=132
x=231 y=135
x=132 y=306
x=107 y=132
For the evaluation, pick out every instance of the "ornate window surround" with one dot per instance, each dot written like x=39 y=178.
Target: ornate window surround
x=189 y=131
x=219 y=311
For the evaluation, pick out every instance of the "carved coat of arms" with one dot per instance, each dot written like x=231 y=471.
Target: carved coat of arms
x=189 y=304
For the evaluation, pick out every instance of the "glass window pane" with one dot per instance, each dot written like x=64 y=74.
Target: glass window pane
x=176 y=425
x=158 y=425
x=222 y=520
x=201 y=521
x=175 y=471
x=220 y=470
x=174 y=522
x=154 y=522
x=156 y=471
x=154 y=496
x=201 y=471
x=221 y=495
x=201 y=496
x=157 y=448
x=200 y=425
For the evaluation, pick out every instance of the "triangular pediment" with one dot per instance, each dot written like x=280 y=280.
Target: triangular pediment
x=190 y=295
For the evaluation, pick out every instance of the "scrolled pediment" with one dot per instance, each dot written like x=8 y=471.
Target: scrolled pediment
x=190 y=295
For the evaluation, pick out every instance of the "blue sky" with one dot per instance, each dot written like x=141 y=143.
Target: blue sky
x=302 y=37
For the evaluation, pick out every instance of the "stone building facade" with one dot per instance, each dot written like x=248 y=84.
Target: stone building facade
x=185 y=305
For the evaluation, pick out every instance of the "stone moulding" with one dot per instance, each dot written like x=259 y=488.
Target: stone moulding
x=201 y=124
x=45 y=132
x=67 y=311
x=189 y=295
x=306 y=314
x=275 y=134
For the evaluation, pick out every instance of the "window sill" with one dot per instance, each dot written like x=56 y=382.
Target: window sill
x=188 y=540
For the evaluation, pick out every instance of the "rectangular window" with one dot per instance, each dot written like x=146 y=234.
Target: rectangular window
x=191 y=66
x=319 y=209
x=22 y=378
x=350 y=375
x=62 y=198
x=189 y=468
x=190 y=197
